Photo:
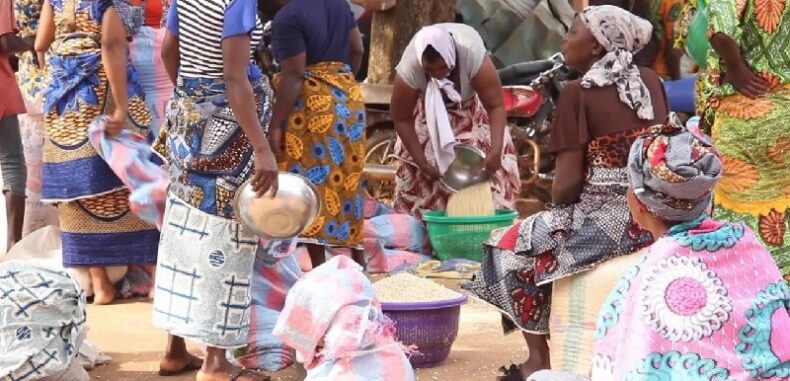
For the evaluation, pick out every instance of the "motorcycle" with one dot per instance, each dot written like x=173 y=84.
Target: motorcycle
x=531 y=90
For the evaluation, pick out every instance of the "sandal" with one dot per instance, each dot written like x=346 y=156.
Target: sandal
x=512 y=373
x=249 y=372
x=196 y=364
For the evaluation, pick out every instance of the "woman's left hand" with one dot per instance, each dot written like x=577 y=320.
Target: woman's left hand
x=494 y=162
x=116 y=122
x=276 y=142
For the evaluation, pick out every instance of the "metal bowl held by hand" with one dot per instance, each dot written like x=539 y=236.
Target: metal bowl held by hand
x=468 y=168
x=285 y=216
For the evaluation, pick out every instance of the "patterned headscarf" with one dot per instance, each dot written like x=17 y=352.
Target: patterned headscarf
x=673 y=171
x=622 y=34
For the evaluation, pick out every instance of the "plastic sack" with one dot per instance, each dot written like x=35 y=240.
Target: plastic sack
x=375 y=5
x=271 y=280
x=373 y=208
x=44 y=246
x=31 y=130
x=383 y=260
x=396 y=231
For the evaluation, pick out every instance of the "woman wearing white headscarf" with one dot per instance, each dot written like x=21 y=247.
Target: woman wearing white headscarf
x=447 y=92
x=597 y=119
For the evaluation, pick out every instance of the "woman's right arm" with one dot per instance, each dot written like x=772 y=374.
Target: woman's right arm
x=738 y=73
x=567 y=184
x=236 y=57
x=356 y=49
x=46 y=32
x=404 y=99
x=170 y=55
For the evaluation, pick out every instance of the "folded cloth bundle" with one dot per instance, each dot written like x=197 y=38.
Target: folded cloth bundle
x=335 y=323
x=271 y=281
x=129 y=157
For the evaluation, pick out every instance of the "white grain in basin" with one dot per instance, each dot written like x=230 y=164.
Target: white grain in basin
x=407 y=288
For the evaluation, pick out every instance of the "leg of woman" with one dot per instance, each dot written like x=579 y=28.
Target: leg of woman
x=177 y=358
x=103 y=289
x=15 y=217
x=359 y=256
x=538 y=355
x=151 y=269
x=317 y=254
x=12 y=164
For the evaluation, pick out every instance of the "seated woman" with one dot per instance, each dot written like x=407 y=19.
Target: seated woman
x=707 y=301
x=597 y=119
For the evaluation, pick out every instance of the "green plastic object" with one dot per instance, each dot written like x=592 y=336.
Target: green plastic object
x=463 y=237
x=697 y=43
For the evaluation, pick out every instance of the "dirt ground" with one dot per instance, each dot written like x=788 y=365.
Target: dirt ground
x=124 y=332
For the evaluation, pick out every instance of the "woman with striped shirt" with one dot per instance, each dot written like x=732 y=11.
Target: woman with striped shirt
x=213 y=138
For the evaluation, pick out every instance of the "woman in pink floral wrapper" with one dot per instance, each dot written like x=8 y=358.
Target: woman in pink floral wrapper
x=707 y=301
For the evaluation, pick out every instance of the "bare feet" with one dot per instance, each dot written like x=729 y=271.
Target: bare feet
x=103 y=289
x=232 y=374
x=173 y=365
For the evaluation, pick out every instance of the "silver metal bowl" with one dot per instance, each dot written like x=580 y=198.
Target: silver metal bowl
x=468 y=168
x=285 y=216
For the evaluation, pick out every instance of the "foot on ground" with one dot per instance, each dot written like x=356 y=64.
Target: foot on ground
x=176 y=365
x=103 y=295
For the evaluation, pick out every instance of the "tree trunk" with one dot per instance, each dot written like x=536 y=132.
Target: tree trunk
x=392 y=30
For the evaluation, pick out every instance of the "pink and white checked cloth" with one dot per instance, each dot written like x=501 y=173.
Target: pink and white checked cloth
x=129 y=157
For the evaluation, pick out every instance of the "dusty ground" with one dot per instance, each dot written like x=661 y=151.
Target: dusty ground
x=124 y=332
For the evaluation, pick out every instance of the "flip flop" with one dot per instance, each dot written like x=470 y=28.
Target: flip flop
x=195 y=365
x=249 y=372
x=512 y=373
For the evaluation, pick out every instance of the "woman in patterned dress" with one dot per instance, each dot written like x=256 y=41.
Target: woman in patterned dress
x=446 y=81
x=85 y=43
x=214 y=140
x=318 y=122
x=597 y=119
x=750 y=109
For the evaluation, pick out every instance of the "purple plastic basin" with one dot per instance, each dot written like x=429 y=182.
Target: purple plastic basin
x=430 y=326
